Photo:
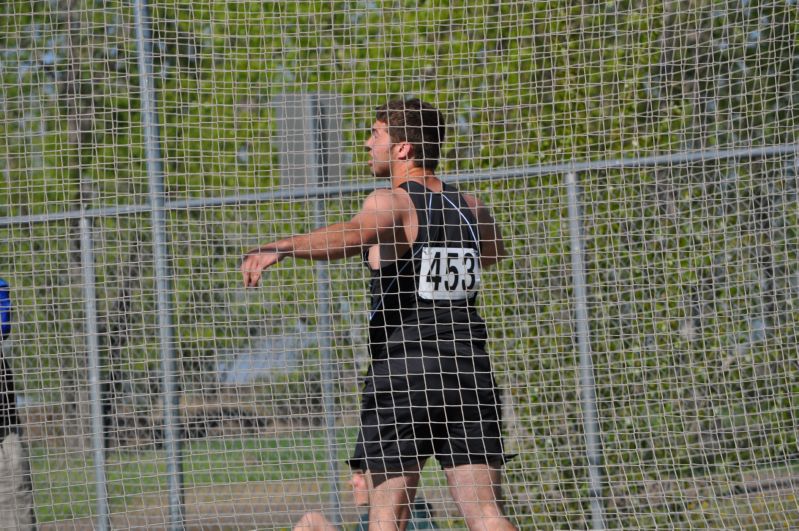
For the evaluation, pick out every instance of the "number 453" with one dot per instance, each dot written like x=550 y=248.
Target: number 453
x=448 y=273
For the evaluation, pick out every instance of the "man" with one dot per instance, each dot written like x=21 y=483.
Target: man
x=429 y=390
x=420 y=517
x=16 y=498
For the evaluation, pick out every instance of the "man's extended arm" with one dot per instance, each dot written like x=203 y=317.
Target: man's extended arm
x=377 y=222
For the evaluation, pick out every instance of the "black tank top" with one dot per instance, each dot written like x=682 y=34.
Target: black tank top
x=431 y=291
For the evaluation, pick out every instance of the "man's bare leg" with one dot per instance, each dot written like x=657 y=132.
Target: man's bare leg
x=389 y=502
x=476 y=491
x=314 y=522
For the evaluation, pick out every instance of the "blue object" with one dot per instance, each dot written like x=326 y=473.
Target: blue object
x=5 y=309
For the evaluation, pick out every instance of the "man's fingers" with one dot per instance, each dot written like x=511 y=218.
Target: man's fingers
x=251 y=280
x=251 y=269
x=253 y=265
x=248 y=272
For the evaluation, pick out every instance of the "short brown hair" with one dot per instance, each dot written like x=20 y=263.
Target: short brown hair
x=418 y=123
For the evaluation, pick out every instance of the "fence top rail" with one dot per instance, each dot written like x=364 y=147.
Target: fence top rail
x=476 y=176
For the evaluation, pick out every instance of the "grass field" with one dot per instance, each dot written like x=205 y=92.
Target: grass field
x=269 y=482
x=65 y=487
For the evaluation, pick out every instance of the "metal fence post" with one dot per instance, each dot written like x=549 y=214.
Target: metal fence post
x=162 y=275
x=311 y=157
x=324 y=292
x=324 y=331
x=587 y=386
x=92 y=344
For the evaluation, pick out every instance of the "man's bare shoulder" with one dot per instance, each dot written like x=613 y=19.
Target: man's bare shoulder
x=388 y=199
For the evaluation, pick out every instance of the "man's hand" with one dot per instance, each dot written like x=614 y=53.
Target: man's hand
x=255 y=262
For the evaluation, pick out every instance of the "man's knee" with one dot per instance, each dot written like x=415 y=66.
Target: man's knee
x=477 y=491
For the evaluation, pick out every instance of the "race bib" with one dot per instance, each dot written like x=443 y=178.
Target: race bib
x=449 y=273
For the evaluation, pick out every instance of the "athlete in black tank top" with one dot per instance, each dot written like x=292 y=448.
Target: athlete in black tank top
x=432 y=289
x=429 y=391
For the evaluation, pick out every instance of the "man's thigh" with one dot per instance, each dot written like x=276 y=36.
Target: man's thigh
x=475 y=483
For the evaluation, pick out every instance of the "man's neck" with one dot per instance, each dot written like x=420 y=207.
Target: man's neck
x=422 y=176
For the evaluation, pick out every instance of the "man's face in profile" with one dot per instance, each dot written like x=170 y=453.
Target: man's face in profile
x=380 y=150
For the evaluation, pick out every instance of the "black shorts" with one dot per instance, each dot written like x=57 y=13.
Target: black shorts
x=430 y=398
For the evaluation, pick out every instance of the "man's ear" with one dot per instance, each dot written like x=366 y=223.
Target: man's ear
x=404 y=151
